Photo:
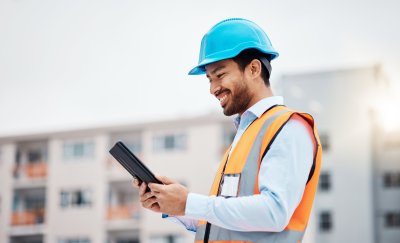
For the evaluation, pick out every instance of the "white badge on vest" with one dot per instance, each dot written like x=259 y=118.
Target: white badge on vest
x=230 y=185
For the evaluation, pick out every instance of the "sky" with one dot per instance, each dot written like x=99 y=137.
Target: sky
x=77 y=64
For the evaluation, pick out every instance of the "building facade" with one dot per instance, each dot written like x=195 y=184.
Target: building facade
x=358 y=198
x=64 y=187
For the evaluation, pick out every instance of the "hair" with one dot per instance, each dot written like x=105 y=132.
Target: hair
x=246 y=56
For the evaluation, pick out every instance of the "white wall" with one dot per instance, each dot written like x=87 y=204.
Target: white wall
x=7 y=156
x=90 y=174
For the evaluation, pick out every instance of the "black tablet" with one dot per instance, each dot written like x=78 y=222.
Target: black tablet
x=132 y=164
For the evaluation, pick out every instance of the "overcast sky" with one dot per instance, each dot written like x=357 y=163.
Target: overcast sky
x=70 y=64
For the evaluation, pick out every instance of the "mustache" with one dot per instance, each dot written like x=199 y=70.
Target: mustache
x=221 y=91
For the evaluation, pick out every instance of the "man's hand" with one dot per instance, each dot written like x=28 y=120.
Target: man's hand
x=147 y=199
x=170 y=197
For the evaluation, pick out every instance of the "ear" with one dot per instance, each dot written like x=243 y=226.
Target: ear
x=255 y=68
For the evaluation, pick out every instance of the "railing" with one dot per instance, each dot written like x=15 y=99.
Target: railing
x=31 y=170
x=27 y=217
x=36 y=170
x=127 y=211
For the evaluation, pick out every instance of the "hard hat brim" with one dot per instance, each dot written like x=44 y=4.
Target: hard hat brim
x=201 y=67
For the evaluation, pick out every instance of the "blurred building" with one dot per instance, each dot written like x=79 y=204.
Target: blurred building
x=63 y=187
x=359 y=190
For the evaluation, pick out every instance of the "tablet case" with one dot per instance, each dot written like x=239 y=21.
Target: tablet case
x=132 y=164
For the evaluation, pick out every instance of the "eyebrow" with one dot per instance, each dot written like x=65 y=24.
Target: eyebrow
x=216 y=70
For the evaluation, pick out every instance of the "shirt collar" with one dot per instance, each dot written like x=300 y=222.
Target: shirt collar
x=260 y=107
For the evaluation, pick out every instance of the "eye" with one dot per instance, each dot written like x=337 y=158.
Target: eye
x=221 y=75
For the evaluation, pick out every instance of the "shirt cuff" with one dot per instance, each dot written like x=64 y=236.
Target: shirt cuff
x=190 y=224
x=197 y=206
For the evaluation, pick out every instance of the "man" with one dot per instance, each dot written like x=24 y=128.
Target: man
x=266 y=183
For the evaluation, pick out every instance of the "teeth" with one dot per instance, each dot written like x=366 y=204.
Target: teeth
x=222 y=98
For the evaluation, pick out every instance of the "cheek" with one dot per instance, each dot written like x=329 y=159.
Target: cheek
x=228 y=83
x=238 y=84
x=237 y=79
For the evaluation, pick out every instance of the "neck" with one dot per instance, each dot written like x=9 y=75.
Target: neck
x=259 y=94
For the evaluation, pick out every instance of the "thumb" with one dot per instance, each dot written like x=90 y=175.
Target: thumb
x=165 y=180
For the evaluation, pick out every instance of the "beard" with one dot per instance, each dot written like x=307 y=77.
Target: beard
x=239 y=100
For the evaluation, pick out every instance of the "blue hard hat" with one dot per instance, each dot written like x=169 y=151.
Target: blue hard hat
x=230 y=37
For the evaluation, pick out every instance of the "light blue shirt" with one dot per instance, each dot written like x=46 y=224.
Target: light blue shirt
x=282 y=178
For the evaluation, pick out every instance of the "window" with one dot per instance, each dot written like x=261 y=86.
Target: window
x=391 y=179
x=78 y=150
x=325 y=181
x=167 y=239
x=135 y=145
x=30 y=204
x=74 y=240
x=35 y=202
x=325 y=141
x=127 y=241
x=169 y=142
x=325 y=221
x=132 y=139
x=31 y=152
x=392 y=220
x=18 y=156
x=75 y=198
x=35 y=156
x=24 y=239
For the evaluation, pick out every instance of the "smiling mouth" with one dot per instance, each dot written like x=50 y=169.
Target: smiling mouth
x=223 y=100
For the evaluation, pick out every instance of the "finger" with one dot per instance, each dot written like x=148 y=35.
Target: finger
x=142 y=189
x=165 y=180
x=156 y=207
x=135 y=182
x=149 y=202
x=146 y=196
x=156 y=188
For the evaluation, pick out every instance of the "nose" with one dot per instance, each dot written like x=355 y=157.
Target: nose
x=214 y=88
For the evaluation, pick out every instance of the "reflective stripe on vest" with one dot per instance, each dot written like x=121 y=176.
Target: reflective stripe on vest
x=246 y=159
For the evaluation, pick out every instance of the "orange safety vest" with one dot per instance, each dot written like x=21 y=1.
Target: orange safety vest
x=245 y=159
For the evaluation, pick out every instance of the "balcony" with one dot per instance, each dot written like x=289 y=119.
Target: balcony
x=27 y=224
x=35 y=170
x=31 y=163
x=28 y=210
x=123 y=212
x=28 y=217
